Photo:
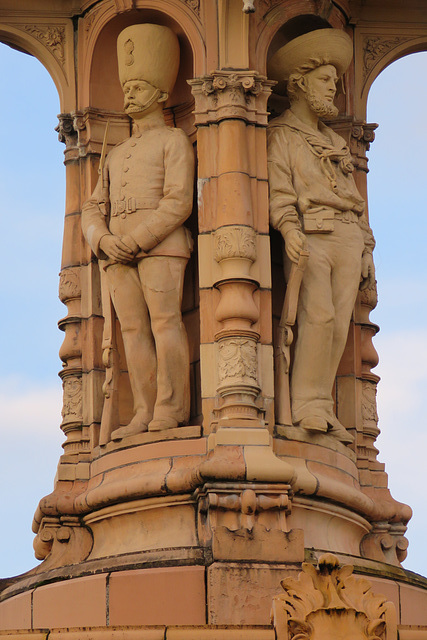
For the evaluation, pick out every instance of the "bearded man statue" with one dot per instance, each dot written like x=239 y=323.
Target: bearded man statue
x=315 y=204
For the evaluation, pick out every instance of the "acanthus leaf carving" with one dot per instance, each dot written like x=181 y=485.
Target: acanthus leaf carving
x=52 y=36
x=235 y=242
x=238 y=360
x=330 y=602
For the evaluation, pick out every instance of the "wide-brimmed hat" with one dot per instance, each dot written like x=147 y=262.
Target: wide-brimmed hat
x=331 y=46
x=148 y=52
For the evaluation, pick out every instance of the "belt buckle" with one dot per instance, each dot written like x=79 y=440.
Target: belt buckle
x=131 y=205
x=346 y=217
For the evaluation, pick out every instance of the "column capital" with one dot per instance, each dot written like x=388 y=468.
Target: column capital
x=231 y=94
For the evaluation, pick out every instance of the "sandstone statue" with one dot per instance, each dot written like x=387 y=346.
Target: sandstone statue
x=315 y=204
x=134 y=225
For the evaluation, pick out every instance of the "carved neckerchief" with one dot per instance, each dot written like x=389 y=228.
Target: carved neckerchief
x=327 y=153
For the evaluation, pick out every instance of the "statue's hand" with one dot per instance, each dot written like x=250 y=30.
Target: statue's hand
x=295 y=242
x=368 y=272
x=116 y=249
x=130 y=243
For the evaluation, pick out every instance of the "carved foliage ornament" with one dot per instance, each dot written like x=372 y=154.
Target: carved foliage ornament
x=329 y=602
x=376 y=47
x=52 y=36
x=237 y=359
x=69 y=284
x=235 y=242
x=72 y=405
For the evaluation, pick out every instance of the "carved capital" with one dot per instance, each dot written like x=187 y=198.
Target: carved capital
x=364 y=133
x=235 y=242
x=231 y=94
x=237 y=362
x=330 y=602
x=66 y=131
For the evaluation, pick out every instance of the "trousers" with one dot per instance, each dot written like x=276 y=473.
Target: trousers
x=147 y=299
x=327 y=296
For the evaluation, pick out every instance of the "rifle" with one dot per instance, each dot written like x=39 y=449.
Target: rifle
x=284 y=339
x=110 y=356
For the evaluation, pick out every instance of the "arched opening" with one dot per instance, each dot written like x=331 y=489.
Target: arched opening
x=397 y=216
x=33 y=187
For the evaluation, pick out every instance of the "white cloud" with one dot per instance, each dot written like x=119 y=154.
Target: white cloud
x=28 y=406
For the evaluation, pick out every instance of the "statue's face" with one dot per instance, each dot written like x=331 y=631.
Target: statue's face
x=320 y=87
x=139 y=97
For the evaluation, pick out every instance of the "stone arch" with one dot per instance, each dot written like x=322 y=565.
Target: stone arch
x=375 y=52
x=53 y=45
x=280 y=20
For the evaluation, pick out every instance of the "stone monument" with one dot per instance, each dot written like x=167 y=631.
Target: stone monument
x=219 y=478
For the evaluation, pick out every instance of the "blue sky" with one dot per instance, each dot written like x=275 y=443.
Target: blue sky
x=32 y=186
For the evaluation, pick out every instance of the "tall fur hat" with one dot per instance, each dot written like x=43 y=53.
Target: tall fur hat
x=148 y=52
x=331 y=46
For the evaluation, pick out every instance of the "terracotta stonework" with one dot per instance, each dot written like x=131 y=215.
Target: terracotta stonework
x=194 y=496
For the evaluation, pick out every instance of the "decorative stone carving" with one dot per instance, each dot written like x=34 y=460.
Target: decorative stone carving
x=329 y=602
x=194 y=6
x=235 y=242
x=72 y=403
x=61 y=541
x=386 y=543
x=248 y=521
x=52 y=36
x=315 y=204
x=69 y=284
x=376 y=47
x=143 y=196
x=364 y=132
x=237 y=360
x=369 y=408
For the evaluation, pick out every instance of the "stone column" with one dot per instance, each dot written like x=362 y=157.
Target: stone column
x=235 y=300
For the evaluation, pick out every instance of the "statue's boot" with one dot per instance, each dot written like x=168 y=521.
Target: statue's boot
x=314 y=423
x=161 y=424
x=339 y=431
x=135 y=426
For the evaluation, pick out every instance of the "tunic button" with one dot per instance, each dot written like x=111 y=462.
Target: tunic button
x=129 y=155
x=125 y=169
x=124 y=183
x=123 y=215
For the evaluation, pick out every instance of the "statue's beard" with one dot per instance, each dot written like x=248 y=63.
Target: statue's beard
x=321 y=108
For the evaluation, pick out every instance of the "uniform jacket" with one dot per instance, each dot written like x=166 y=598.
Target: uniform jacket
x=148 y=180
x=309 y=173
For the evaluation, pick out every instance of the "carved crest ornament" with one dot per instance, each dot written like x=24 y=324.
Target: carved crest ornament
x=329 y=602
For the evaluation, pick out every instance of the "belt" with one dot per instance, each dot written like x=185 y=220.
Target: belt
x=346 y=216
x=130 y=205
